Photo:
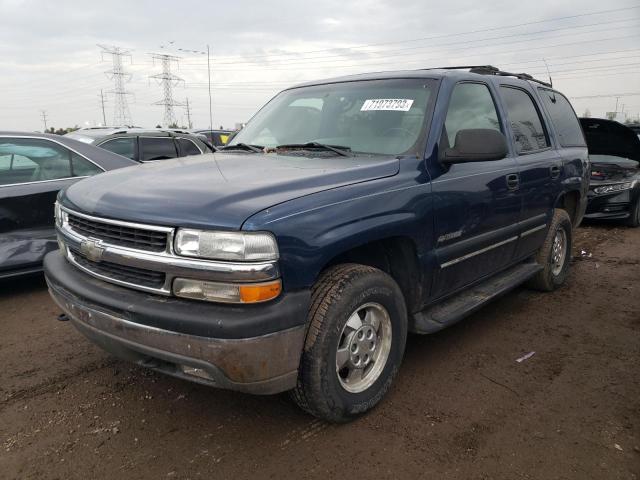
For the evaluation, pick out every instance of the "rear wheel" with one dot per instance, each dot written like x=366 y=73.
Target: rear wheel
x=355 y=343
x=555 y=254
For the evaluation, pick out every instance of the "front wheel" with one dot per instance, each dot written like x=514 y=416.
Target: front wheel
x=355 y=343
x=555 y=254
x=634 y=217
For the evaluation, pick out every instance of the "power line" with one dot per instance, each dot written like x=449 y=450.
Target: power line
x=396 y=52
x=456 y=34
x=168 y=80
x=121 y=114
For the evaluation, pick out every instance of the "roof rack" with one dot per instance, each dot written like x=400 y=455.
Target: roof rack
x=491 y=70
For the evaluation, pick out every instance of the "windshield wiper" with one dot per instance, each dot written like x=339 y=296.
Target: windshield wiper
x=339 y=149
x=243 y=146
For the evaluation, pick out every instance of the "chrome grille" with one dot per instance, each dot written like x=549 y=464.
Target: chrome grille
x=122 y=273
x=138 y=238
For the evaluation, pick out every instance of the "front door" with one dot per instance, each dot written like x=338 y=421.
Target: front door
x=476 y=204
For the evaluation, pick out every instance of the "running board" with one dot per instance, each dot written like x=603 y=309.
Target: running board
x=454 y=309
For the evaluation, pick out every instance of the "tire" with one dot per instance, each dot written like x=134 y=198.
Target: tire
x=634 y=218
x=341 y=294
x=554 y=274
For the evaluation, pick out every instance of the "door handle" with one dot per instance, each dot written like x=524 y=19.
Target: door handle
x=555 y=171
x=513 y=180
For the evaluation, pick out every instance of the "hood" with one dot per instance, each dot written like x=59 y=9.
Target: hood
x=219 y=190
x=607 y=168
x=607 y=137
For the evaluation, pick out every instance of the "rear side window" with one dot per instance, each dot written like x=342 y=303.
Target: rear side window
x=471 y=106
x=188 y=147
x=563 y=117
x=157 y=148
x=526 y=125
x=125 y=146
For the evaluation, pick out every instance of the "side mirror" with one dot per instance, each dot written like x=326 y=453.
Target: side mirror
x=476 y=145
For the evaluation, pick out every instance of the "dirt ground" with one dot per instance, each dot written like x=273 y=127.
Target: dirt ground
x=462 y=407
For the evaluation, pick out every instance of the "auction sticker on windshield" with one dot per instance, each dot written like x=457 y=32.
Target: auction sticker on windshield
x=395 y=104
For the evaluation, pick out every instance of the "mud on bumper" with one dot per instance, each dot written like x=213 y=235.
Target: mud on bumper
x=262 y=364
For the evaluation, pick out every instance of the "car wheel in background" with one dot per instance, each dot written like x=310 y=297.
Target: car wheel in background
x=634 y=218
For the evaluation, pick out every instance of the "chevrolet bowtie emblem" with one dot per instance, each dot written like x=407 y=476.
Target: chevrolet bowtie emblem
x=92 y=249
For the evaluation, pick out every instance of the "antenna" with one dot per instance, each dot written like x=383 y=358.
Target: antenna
x=548 y=72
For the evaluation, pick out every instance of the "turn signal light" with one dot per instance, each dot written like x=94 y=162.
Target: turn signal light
x=226 y=292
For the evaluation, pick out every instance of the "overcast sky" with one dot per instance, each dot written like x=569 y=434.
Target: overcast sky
x=50 y=60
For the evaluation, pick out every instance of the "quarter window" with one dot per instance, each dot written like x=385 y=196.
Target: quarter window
x=563 y=117
x=471 y=106
x=26 y=160
x=157 y=148
x=526 y=124
x=125 y=146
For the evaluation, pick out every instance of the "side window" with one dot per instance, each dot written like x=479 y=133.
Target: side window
x=187 y=147
x=125 y=146
x=81 y=167
x=471 y=106
x=26 y=160
x=528 y=133
x=563 y=117
x=157 y=148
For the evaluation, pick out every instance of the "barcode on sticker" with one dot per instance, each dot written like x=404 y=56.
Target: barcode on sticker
x=395 y=104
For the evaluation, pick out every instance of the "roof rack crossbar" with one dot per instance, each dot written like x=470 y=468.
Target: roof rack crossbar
x=491 y=70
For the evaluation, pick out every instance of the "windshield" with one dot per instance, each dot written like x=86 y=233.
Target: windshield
x=378 y=116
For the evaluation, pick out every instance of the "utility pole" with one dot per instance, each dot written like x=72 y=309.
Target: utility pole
x=188 y=114
x=168 y=80
x=104 y=116
x=44 y=119
x=121 y=114
x=209 y=73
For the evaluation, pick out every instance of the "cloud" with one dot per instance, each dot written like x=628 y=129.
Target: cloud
x=50 y=59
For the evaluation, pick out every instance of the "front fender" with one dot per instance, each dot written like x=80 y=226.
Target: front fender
x=313 y=230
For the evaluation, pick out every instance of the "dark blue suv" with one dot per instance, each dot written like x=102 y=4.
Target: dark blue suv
x=347 y=213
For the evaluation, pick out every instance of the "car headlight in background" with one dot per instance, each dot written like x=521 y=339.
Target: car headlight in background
x=229 y=246
x=226 y=292
x=614 y=187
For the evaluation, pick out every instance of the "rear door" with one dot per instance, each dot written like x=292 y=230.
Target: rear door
x=539 y=165
x=32 y=171
x=476 y=204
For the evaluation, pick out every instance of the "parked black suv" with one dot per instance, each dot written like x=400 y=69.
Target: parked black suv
x=143 y=145
x=347 y=213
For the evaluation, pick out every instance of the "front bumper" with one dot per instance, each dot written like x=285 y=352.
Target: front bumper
x=609 y=206
x=123 y=323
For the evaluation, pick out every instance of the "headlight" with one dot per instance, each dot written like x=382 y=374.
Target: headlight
x=226 y=292
x=230 y=246
x=615 y=187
